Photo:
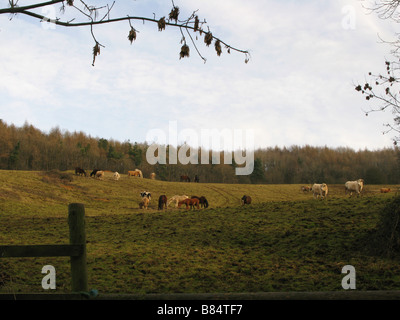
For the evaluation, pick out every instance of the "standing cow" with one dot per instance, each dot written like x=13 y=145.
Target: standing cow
x=99 y=175
x=354 y=186
x=162 y=202
x=145 y=194
x=80 y=171
x=144 y=203
x=135 y=173
x=176 y=199
x=93 y=173
x=320 y=190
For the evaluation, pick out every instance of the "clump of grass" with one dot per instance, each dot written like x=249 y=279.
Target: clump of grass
x=56 y=175
x=387 y=233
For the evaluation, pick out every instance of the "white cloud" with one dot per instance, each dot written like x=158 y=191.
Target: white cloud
x=296 y=89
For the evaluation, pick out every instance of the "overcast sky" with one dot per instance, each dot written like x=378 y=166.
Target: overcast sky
x=297 y=88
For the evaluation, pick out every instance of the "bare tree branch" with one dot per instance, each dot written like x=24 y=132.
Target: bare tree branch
x=191 y=24
x=16 y=9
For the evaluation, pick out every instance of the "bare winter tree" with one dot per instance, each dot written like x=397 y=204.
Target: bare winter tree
x=89 y=15
x=382 y=89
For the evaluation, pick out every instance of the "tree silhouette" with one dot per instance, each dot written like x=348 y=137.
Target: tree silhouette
x=257 y=176
x=88 y=15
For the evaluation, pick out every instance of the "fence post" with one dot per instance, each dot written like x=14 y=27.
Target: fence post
x=77 y=235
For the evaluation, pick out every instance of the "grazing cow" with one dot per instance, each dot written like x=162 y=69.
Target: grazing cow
x=320 y=190
x=354 y=186
x=146 y=194
x=162 y=202
x=135 y=173
x=305 y=188
x=144 y=203
x=185 y=178
x=246 y=200
x=176 y=199
x=99 y=175
x=190 y=202
x=116 y=176
x=385 y=190
x=93 y=174
x=80 y=171
x=153 y=176
x=202 y=200
x=196 y=178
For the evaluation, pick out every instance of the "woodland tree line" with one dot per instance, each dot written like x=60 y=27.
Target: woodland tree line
x=28 y=148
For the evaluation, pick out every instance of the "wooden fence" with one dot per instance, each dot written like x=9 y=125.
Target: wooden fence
x=76 y=249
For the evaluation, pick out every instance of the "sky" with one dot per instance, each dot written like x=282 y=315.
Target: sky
x=297 y=88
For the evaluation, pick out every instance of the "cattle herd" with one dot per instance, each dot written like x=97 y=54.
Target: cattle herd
x=319 y=191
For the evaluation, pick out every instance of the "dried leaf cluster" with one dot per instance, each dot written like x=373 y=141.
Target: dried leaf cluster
x=132 y=35
x=184 y=51
x=208 y=38
x=96 y=52
x=187 y=24
x=218 y=47
x=161 y=24
x=173 y=15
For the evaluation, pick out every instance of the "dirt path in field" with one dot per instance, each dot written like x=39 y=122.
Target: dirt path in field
x=227 y=196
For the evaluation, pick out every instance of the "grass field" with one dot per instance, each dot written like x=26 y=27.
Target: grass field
x=284 y=241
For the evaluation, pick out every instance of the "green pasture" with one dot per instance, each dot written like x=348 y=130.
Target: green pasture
x=284 y=241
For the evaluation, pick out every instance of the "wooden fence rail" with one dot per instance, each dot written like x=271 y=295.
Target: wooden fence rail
x=76 y=249
x=62 y=250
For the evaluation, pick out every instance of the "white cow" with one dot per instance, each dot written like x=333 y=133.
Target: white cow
x=176 y=199
x=354 y=186
x=319 y=190
x=116 y=176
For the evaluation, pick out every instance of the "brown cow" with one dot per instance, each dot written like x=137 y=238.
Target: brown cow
x=202 y=200
x=385 y=190
x=135 y=173
x=190 y=202
x=80 y=171
x=246 y=200
x=144 y=203
x=185 y=178
x=162 y=202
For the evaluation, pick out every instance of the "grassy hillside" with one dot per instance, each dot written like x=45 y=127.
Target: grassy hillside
x=284 y=241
